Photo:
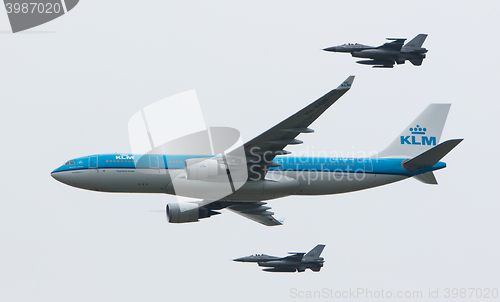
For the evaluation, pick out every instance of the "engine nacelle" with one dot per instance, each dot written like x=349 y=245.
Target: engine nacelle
x=203 y=168
x=181 y=212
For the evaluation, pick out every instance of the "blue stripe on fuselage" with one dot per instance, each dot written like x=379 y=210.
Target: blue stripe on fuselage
x=319 y=164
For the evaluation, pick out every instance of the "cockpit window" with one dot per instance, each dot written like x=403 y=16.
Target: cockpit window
x=69 y=163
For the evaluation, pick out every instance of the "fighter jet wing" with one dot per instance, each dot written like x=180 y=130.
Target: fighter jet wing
x=256 y=211
x=261 y=150
x=396 y=44
x=295 y=257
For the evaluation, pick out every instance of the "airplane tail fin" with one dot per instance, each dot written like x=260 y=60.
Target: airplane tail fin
x=421 y=135
x=315 y=252
x=416 y=42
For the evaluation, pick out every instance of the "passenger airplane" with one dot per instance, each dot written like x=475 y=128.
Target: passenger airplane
x=416 y=153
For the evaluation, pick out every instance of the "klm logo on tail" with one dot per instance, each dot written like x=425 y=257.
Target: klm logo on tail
x=418 y=140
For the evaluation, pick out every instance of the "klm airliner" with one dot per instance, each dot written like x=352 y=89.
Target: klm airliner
x=270 y=172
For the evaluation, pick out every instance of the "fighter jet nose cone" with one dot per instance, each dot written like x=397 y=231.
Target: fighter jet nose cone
x=333 y=48
x=239 y=260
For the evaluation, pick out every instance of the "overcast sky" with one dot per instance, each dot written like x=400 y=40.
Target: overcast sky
x=69 y=87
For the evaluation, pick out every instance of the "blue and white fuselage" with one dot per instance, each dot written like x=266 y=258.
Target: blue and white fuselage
x=296 y=176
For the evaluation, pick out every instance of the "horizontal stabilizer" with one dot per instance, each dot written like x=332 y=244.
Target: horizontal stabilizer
x=417 y=62
x=431 y=157
x=427 y=178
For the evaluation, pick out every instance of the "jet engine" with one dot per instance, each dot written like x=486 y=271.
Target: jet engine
x=203 y=168
x=181 y=212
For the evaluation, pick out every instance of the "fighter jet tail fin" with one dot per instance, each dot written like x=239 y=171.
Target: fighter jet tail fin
x=415 y=43
x=315 y=252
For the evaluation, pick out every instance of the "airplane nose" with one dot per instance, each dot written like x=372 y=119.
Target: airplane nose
x=242 y=259
x=60 y=176
x=333 y=48
x=55 y=176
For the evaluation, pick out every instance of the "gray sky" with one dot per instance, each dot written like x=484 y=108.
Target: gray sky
x=69 y=87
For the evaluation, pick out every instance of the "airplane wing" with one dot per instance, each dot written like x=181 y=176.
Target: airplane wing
x=396 y=44
x=295 y=257
x=261 y=150
x=256 y=211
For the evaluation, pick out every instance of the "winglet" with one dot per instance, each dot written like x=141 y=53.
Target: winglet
x=346 y=84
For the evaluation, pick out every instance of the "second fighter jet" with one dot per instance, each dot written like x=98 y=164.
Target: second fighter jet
x=384 y=56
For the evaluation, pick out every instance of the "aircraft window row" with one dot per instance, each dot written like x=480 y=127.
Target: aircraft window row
x=128 y=161
x=327 y=164
x=119 y=161
x=180 y=162
x=69 y=163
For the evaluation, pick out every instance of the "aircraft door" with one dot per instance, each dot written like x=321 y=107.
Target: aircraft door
x=153 y=162
x=93 y=162
x=368 y=165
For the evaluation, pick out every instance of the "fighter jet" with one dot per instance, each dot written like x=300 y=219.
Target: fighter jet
x=384 y=56
x=295 y=262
